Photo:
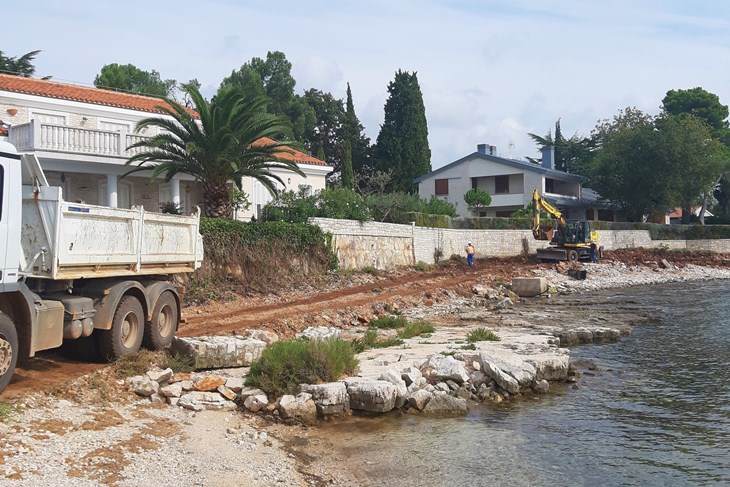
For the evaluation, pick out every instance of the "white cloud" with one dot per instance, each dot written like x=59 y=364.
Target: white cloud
x=489 y=71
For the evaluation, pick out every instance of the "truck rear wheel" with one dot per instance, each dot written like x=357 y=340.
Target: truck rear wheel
x=8 y=350
x=161 y=330
x=125 y=336
x=572 y=256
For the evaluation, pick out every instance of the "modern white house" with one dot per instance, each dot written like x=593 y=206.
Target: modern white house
x=510 y=182
x=80 y=136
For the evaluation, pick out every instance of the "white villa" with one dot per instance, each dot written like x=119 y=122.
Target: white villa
x=80 y=136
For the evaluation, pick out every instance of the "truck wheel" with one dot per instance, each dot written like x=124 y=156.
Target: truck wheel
x=572 y=256
x=125 y=336
x=8 y=350
x=159 y=333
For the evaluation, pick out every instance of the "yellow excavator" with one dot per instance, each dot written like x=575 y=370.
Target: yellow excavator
x=569 y=241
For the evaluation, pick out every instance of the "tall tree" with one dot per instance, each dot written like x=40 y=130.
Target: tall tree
x=354 y=133
x=628 y=168
x=700 y=103
x=692 y=159
x=21 y=66
x=230 y=140
x=348 y=177
x=328 y=132
x=273 y=78
x=572 y=155
x=128 y=77
x=402 y=144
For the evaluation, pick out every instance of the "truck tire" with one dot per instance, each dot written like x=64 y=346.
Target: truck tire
x=572 y=256
x=8 y=350
x=125 y=336
x=160 y=331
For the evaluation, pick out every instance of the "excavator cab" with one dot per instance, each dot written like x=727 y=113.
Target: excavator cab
x=575 y=233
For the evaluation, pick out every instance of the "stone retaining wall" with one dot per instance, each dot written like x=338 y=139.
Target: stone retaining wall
x=385 y=245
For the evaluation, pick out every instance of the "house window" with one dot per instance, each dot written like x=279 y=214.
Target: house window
x=442 y=187
x=549 y=185
x=503 y=214
x=501 y=184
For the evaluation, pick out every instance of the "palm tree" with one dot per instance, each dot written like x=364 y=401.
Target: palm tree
x=218 y=143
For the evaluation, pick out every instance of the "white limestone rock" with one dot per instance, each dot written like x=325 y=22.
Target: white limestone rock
x=394 y=377
x=214 y=352
x=143 y=386
x=439 y=368
x=411 y=375
x=331 y=398
x=197 y=401
x=172 y=390
x=320 y=333
x=256 y=402
x=419 y=399
x=445 y=405
x=160 y=376
x=376 y=396
x=300 y=407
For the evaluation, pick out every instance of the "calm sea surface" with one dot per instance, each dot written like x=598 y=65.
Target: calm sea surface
x=656 y=413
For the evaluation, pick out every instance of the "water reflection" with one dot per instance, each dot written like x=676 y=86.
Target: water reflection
x=657 y=413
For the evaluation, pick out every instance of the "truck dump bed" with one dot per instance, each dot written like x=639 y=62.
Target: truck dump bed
x=62 y=240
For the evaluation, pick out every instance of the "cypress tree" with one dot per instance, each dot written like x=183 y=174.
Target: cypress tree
x=348 y=178
x=402 y=144
x=353 y=132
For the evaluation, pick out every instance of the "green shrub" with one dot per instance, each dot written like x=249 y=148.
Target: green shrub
x=437 y=206
x=180 y=364
x=421 y=266
x=481 y=335
x=342 y=203
x=492 y=223
x=370 y=340
x=137 y=363
x=285 y=365
x=477 y=198
x=417 y=328
x=469 y=346
x=388 y=322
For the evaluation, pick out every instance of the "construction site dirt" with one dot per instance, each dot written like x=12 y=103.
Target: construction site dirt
x=344 y=300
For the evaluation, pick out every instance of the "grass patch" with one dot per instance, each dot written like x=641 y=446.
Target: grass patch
x=388 y=323
x=286 y=364
x=6 y=410
x=179 y=364
x=421 y=266
x=469 y=346
x=450 y=353
x=368 y=269
x=417 y=328
x=481 y=335
x=137 y=363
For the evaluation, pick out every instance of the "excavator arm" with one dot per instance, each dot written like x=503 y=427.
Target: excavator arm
x=539 y=204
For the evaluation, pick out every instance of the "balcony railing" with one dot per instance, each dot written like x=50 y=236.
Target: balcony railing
x=36 y=136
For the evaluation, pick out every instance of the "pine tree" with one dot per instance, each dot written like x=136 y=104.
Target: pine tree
x=348 y=178
x=402 y=144
x=353 y=131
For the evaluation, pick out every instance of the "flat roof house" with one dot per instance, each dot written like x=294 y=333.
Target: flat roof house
x=80 y=136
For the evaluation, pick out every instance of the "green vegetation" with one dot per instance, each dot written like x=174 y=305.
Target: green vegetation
x=421 y=266
x=416 y=328
x=388 y=323
x=137 y=363
x=286 y=364
x=179 y=364
x=402 y=144
x=477 y=198
x=405 y=330
x=6 y=410
x=469 y=346
x=481 y=335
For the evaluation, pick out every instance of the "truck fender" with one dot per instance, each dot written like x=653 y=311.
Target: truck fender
x=154 y=291
x=107 y=305
x=17 y=303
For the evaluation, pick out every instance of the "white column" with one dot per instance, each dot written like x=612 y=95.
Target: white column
x=111 y=191
x=175 y=190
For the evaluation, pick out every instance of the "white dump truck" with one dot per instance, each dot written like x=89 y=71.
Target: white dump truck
x=71 y=271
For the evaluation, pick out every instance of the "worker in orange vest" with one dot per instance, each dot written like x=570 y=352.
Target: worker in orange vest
x=470 y=254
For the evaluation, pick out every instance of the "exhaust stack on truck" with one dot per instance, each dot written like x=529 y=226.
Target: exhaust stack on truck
x=100 y=277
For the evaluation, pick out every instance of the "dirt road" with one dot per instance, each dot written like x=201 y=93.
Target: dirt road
x=346 y=299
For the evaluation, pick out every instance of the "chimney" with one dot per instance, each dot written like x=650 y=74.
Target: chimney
x=548 y=157
x=487 y=149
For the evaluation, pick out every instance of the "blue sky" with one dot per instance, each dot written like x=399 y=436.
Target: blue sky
x=490 y=71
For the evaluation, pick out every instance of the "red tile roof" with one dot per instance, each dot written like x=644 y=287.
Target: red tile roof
x=63 y=91
x=98 y=96
x=294 y=155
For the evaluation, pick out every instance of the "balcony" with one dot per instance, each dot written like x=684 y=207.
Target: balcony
x=35 y=136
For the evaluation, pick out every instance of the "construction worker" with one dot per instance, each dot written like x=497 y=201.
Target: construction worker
x=470 y=254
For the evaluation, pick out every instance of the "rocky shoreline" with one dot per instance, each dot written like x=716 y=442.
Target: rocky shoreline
x=126 y=441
